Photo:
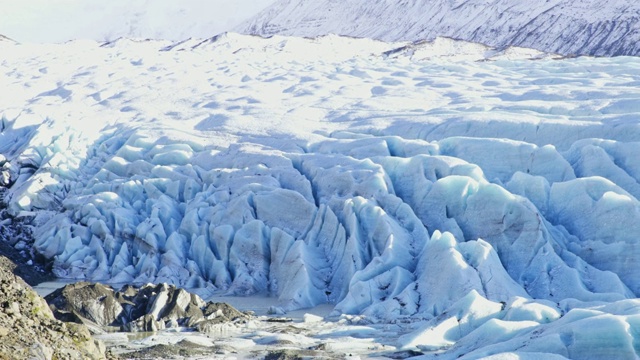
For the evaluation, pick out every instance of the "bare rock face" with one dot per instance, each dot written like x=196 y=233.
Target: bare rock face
x=94 y=302
x=6 y=39
x=28 y=329
x=215 y=316
x=148 y=308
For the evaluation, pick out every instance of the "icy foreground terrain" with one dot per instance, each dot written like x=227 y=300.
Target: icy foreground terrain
x=490 y=204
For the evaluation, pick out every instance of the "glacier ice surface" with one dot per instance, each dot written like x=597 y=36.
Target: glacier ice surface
x=493 y=205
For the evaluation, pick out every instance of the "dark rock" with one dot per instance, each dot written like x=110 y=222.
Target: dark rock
x=289 y=329
x=279 y=319
x=286 y=354
x=222 y=312
x=404 y=354
x=28 y=329
x=84 y=301
x=148 y=308
x=145 y=323
x=181 y=305
x=11 y=233
x=182 y=349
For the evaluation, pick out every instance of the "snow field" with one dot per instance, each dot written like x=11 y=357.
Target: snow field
x=492 y=205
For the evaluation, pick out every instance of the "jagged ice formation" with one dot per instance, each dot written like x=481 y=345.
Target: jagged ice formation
x=483 y=198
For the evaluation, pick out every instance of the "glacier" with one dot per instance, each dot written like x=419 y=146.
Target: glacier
x=490 y=201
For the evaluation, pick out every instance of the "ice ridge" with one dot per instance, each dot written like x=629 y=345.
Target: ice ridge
x=494 y=204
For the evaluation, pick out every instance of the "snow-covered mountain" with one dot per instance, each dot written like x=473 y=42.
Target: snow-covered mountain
x=569 y=27
x=484 y=207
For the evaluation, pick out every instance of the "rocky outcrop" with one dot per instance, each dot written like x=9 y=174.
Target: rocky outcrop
x=23 y=265
x=6 y=39
x=28 y=329
x=147 y=308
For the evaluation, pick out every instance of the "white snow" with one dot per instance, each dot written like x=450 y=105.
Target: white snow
x=479 y=207
x=45 y=21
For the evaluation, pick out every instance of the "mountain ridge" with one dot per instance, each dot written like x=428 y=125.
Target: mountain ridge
x=566 y=27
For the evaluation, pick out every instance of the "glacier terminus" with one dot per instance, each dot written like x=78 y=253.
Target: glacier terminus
x=485 y=199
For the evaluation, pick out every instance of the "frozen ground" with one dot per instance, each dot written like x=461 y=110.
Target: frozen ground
x=485 y=203
x=304 y=333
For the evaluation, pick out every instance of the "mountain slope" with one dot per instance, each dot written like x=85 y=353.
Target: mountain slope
x=569 y=27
